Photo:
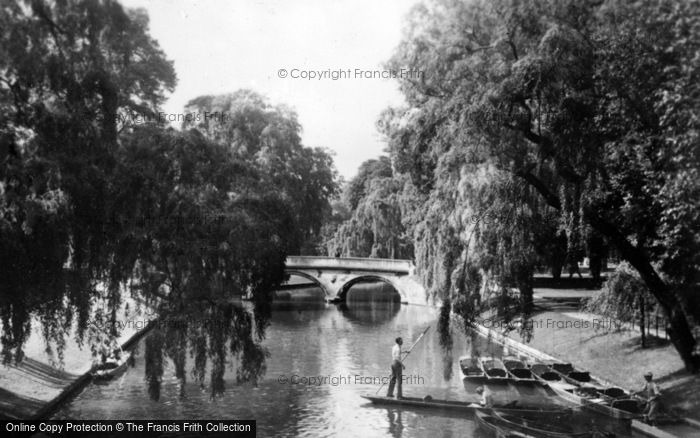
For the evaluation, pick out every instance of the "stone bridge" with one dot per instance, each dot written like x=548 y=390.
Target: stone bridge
x=335 y=275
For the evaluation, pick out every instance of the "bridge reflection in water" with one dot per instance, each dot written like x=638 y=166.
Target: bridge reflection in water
x=323 y=341
x=336 y=276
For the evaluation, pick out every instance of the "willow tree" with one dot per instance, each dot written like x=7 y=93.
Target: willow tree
x=68 y=70
x=375 y=227
x=590 y=107
x=96 y=194
x=624 y=298
x=270 y=137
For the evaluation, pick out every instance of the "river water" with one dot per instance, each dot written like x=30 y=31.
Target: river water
x=323 y=357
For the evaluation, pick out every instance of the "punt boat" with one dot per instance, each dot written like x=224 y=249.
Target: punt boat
x=544 y=373
x=571 y=375
x=470 y=368
x=537 y=428
x=517 y=369
x=590 y=398
x=494 y=369
x=460 y=406
x=490 y=423
x=613 y=393
x=111 y=368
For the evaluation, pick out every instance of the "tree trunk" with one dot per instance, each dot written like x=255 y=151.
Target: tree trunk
x=681 y=336
x=642 y=321
x=556 y=267
x=525 y=283
x=596 y=250
x=679 y=330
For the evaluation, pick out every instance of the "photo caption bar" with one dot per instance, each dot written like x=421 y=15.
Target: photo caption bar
x=124 y=428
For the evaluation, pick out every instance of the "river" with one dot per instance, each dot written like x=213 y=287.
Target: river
x=323 y=357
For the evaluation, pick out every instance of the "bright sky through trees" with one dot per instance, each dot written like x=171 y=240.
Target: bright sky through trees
x=222 y=46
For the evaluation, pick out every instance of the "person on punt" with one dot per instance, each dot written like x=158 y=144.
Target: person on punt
x=397 y=367
x=486 y=397
x=652 y=393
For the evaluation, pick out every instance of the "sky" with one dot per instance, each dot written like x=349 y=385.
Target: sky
x=274 y=46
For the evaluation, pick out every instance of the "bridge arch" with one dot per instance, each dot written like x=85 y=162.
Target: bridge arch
x=313 y=279
x=336 y=275
x=345 y=288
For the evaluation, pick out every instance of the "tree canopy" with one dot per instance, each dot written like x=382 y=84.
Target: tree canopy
x=270 y=137
x=101 y=202
x=375 y=227
x=578 y=115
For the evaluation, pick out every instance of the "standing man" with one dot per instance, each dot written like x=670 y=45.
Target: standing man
x=396 y=369
x=653 y=395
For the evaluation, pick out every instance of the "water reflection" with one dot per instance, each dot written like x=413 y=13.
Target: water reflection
x=445 y=331
x=213 y=335
x=369 y=314
x=323 y=342
x=395 y=422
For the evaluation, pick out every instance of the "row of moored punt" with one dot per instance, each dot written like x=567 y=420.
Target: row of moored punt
x=574 y=386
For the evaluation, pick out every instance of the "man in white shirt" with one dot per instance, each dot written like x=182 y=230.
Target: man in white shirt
x=652 y=394
x=486 y=397
x=396 y=369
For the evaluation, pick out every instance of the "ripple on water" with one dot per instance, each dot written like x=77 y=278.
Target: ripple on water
x=327 y=341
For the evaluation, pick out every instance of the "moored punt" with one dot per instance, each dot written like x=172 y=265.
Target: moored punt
x=111 y=368
x=539 y=427
x=535 y=427
x=544 y=373
x=494 y=369
x=517 y=369
x=459 y=406
x=614 y=393
x=471 y=369
x=589 y=398
x=571 y=375
x=563 y=368
x=490 y=423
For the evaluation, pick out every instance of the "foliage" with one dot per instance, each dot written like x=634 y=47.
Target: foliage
x=97 y=194
x=339 y=214
x=369 y=170
x=624 y=298
x=68 y=71
x=269 y=136
x=578 y=114
x=375 y=228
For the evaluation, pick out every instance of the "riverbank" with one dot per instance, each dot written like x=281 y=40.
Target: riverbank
x=34 y=387
x=560 y=330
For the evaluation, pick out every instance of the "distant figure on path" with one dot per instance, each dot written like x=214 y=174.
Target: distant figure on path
x=337 y=254
x=486 y=397
x=573 y=266
x=652 y=393
x=396 y=370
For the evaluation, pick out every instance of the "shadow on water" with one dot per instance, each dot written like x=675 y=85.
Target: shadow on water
x=371 y=303
x=206 y=338
x=184 y=362
x=395 y=422
x=209 y=335
x=446 y=341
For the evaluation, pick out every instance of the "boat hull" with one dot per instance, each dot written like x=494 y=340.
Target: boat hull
x=494 y=370
x=490 y=423
x=470 y=368
x=109 y=374
x=511 y=422
x=599 y=405
x=415 y=402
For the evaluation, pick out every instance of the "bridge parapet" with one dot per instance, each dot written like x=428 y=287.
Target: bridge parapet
x=335 y=275
x=351 y=264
